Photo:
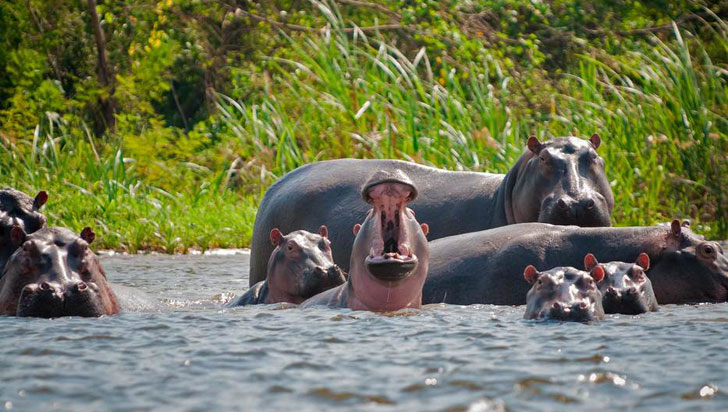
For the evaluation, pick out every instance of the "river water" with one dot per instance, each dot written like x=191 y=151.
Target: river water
x=195 y=355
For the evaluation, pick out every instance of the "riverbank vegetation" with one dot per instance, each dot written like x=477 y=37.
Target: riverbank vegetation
x=161 y=123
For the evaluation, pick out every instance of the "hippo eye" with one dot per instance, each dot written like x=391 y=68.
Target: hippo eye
x=707 y=251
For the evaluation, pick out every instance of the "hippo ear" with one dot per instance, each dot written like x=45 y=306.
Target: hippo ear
x=596 y=141
x=534 y=145
x=17 y=236
x=425 y=228
x=590 y=261
x=597 y=273
x=88 y=235
x=675 y=227
x=276 y=237
x=686 y=223
x=643 y=261
x=324 y=231
x=530 y=274
x=356 y=229
x=40 y=199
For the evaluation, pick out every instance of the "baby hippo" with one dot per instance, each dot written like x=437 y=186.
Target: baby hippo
x=300 y=266
x=564 y=293
x=54 y=274
x=625 y=288
x=389 y=258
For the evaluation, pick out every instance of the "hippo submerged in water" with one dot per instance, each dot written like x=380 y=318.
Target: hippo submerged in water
x=564 y=293
x=486 y=266
x=18 y=210
x=300 y=267
x=389 y=260
x=625 y=288
x=54 y=274
x=561 y=181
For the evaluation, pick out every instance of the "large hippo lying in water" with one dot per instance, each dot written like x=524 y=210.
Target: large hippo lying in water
x=300 y=267
x=55 y=274
x=561 y=181
x=22 y=211
x=487 y=266
x=564 y=293
x=389 y=260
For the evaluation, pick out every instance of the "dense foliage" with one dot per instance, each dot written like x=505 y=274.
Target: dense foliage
x=161 y=123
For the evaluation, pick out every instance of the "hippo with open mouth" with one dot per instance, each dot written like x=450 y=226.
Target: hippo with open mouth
x=390 y=256
x=54 y=274
x=22 y=211
x=300 y=267
x=486 y=266
x=564 y=293
x=560 y=181
x=625 y=288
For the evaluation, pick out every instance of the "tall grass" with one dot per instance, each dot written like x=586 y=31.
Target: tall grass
x=661 y=113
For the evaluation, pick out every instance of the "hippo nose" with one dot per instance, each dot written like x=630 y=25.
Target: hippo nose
x=318 y=271
x=631 y=291
x=45 y=286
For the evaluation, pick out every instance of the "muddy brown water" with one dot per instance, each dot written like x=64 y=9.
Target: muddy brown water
x=196 y=355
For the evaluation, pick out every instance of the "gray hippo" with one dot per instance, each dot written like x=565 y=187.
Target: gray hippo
x=625 y=288
x=561 y=181
x=300 y=267
x=18 y=210
x=486 y=266
x=564 y=293
x=389 y=260
x=55 y=274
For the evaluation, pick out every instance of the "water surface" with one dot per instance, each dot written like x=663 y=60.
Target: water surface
x=199 y=356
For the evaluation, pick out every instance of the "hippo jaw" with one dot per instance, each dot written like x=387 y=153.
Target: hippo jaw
x=391 y=258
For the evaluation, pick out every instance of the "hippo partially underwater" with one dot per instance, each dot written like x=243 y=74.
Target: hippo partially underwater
x=487 y=266
x=18 y=210
x=626 y=288
x=390 y=256
x=560 y=181
x=300 y=267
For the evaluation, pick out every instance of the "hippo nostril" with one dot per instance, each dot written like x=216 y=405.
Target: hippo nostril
x=589 y=204
x=632 y=291
x=582 y=305
x=81 y=286
x=45 y=286
x=562 y=204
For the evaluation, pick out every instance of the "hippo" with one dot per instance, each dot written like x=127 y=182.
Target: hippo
x=625 y=288
x=22 y=211
x=300 y=267
x=560 y=181
x=389 y=260
x=54 y=274
x=564 y=293
x=486 y=266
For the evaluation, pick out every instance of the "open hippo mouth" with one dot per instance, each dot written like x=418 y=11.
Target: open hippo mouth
x=390 y=257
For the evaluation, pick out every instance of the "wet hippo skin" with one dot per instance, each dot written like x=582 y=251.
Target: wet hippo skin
x=18 y=210
x=487 y=266
x=561 y=181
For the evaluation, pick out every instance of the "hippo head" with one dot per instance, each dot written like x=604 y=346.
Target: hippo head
x=390 y=254
x=301 y=266
x=689 y=268
x=18 y=210
x=564 y=293
x=54 y=274
x=625 y=288
x=562 y=182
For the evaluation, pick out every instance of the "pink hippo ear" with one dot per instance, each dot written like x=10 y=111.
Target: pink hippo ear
x=675 y=227
x=530 y=274
x=17 y=236
x=324 y=231
x=596 y=141
x=40 y=199
x=597 y=273
x=590 y=261
x=643 y=261
x=534 y=145
x=88 y=235
x=356 y=229
x=276 y=237
x=425 y=228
